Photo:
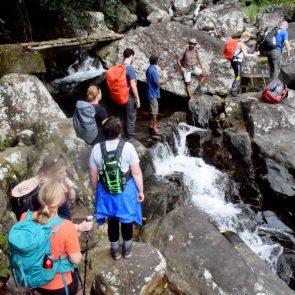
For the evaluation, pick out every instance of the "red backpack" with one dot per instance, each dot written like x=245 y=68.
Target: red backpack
x=229 y=49
x=274 y=92
x=117 y=83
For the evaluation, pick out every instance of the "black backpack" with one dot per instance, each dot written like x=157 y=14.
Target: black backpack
x=113 y=178
x=269 y=41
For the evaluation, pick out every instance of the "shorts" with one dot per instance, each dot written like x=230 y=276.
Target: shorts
x=188 y=74
x=154 y=106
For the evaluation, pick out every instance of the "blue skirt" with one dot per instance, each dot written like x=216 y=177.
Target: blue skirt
x=123 y=206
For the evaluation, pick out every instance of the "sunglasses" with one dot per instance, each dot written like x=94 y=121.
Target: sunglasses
x=60 y=156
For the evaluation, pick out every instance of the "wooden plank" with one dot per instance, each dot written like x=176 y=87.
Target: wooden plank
x=64 y=42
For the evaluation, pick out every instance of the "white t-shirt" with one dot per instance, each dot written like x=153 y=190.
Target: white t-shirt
x=129 y=155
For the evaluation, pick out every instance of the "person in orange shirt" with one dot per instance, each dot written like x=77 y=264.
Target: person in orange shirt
x=64 y=242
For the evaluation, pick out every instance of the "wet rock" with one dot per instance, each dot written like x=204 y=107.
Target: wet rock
x=195 y=142
x=189 y=241
x=25 y=104
x=221 y=20
x=170 y=40
x=163 y=195
x=146 y=162
x=274 y=222
x=140 y=275
x=268 y=282
x=286 y=266
x=14 y=59
x=239 y=144
x=202 y=108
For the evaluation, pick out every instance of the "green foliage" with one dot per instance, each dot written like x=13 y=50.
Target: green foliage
x=109 y=8
x=73 y=12
x=4 y=268
x=254 y=7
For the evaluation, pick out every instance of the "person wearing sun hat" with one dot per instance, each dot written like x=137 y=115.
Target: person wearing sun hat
x=190 y=63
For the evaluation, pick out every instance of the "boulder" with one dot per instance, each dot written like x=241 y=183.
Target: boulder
x=170 y=40
x=201 y=261
x=142 y=274
x=125 y=19
x=221 y=20
x=288 y=63
x=163 y=195
x=158 y=17
x=25 y=104
x=15 y=59
x=202 y=108
x=182 y=7
x=144 y=7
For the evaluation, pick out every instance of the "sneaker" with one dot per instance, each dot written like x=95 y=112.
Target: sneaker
x=198 y=89
x=116 y=253
x=127 y=251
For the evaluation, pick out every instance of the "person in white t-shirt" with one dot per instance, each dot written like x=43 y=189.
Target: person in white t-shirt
x=125 y=207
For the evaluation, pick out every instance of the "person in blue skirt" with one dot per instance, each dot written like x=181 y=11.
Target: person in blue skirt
x=120 y=208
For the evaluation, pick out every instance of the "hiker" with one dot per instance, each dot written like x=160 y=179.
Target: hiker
x=133 y=101
x=89 y=116
x=64 y=242
x=274 y=56
x=117 y=199
x=153 y=91
x=25 y=194
x=190 y=63
x=239 y=53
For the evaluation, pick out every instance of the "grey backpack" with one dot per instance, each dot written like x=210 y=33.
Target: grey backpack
x=84 y=121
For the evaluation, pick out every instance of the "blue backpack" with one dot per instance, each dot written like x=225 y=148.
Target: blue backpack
x=29 y=243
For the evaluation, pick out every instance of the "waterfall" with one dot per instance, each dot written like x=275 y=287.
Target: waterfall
x=78 y=72
x=207 y=186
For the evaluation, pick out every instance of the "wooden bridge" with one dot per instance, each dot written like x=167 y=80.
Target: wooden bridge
x=64 y=42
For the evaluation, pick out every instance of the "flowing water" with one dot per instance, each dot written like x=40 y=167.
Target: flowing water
x=208 y=187
x=78 y=72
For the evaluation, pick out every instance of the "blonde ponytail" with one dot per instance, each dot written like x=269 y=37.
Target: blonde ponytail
x=50 y=197
x=92 y=92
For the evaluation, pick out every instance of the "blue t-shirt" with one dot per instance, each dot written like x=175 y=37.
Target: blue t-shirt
x=130 y=73
x=281 y=37
x=152 y=78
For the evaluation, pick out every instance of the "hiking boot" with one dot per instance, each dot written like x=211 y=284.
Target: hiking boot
x=198 y=89
x=115 y=250
x=127 y=249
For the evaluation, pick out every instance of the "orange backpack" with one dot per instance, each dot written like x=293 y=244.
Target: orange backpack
x=229 y=49
x=117 y=83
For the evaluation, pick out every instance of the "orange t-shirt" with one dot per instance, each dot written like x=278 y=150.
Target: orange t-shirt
x=65 y=240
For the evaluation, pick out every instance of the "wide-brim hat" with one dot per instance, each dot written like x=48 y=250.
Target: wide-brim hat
x=193 y=41
x=25 y=187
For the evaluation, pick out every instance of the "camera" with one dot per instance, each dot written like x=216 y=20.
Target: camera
x=89 y=218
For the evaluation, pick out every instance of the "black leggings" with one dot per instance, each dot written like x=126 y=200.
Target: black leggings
x=237 y=66
x=72 y=288
x=113 y=230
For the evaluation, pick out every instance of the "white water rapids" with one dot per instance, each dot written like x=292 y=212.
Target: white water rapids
x=86 y=70
x=207 y=186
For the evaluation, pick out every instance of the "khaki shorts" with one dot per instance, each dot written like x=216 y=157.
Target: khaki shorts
x=188 y=74
x=154 y=106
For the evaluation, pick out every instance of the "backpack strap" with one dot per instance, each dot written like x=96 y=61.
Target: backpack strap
x=119 y=150
x=104 y=153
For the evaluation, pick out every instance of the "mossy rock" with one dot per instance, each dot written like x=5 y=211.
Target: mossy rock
x=14 y=59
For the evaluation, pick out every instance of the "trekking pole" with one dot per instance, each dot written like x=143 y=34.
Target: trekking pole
x=85 y=264
x=88 y=219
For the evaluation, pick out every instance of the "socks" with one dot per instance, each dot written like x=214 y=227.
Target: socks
x=127 y=244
